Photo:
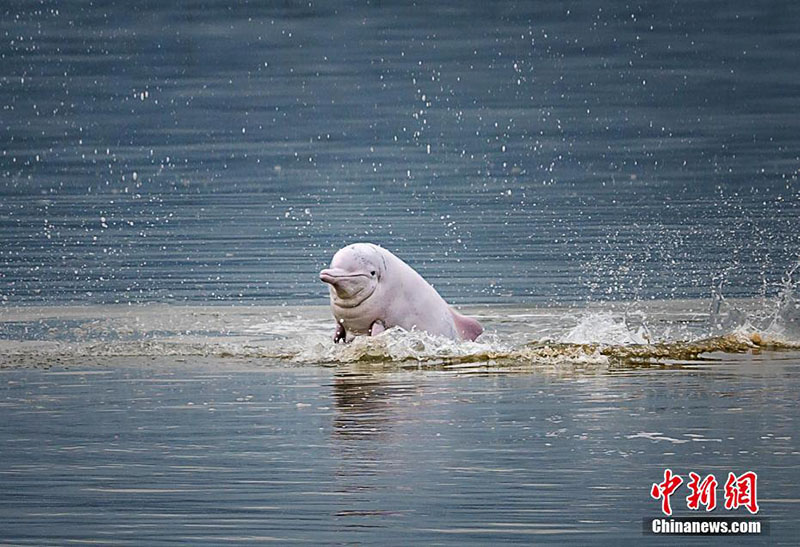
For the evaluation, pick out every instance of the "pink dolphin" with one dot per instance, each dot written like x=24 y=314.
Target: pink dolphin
x=373 y=290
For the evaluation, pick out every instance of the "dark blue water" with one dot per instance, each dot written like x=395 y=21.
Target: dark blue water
x=538 y=152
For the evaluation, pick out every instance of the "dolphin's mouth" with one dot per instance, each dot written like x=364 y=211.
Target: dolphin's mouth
x=346 y=289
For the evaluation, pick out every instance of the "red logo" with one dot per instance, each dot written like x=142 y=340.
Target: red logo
x=703 y=493
x=665 y=489
x=739 y=491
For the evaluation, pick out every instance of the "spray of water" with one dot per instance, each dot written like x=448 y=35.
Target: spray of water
x=636 y=333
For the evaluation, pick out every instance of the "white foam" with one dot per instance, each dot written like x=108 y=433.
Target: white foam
x=607 y=329
x=514 y=336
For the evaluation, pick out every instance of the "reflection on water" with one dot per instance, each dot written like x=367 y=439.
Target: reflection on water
x=366 y=406
x=215 y=451
x=366 y=410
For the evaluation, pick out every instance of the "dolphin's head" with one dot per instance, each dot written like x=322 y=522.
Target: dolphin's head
x=354 y=274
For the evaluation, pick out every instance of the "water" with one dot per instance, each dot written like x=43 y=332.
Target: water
x=550 y=154
x=161 y=423
x=222 y=452
x=611 y=190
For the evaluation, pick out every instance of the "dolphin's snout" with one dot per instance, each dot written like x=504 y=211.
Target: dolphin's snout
x=325 y=276
x=331 y=275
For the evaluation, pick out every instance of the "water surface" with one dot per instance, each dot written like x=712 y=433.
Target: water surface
x=537 y=152
x=217 y=452
x=611 y=190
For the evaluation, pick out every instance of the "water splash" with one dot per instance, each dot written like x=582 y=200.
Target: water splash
x=775 y=319
x=785 y=323
x=662 y=332
x=607 y=329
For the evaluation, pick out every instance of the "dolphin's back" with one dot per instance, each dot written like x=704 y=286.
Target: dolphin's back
x=418 y=305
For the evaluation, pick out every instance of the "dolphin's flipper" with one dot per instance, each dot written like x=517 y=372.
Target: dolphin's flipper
x=340 y=334
x=376 y=328
x=467 y=327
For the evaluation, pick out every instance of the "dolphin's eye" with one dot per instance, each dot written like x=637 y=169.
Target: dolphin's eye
x=372 y=273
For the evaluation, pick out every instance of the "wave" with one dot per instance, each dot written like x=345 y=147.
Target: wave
x=401 y=349
x=627 y=335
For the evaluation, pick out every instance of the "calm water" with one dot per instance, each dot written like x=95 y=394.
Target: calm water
x=157 y=453
x=612 y=190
